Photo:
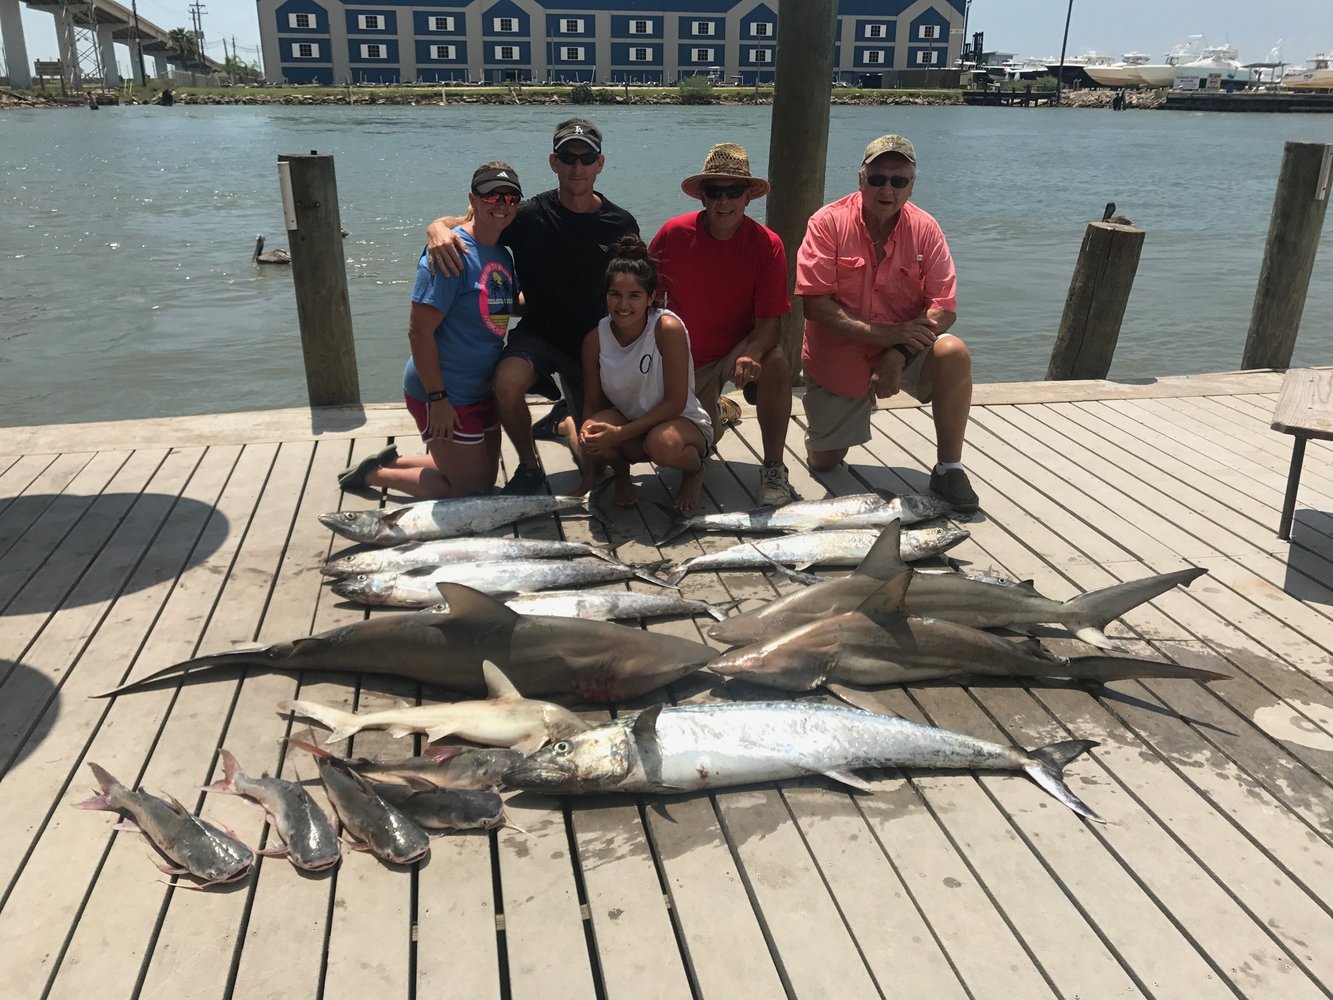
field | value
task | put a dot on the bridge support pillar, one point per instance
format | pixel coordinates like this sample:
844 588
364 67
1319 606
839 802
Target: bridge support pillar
106 46
160 67
69 53
16 49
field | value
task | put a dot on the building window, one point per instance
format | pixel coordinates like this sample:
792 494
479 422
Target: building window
300 21
703 55
927 58
761 55
372 52
876 31
640 27
443 52
507 52
929 31
572 53
761 29
441 24
875 57
305 50
640 55
571 26
369 22
506 24
703 29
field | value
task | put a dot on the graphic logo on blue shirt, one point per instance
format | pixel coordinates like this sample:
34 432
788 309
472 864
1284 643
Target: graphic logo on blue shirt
497 297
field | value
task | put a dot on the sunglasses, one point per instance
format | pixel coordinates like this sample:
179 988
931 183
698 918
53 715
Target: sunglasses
733 191
569 159
896 180
500 198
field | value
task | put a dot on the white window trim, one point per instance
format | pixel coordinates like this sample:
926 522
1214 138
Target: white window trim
439 22
506 53
294 21
640 54
877 31
703 55
875 57
381 53
703 29
500 22
443 52
929 32
761 29
364 22
761 56
298 46
571 53
928 58
638 22
571 25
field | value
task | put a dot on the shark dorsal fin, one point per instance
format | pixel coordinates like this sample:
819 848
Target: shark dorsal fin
644 729
497 684
464 602
888 598
884 561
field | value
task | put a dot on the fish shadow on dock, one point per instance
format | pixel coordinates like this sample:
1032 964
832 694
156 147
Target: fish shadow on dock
150 533
30 703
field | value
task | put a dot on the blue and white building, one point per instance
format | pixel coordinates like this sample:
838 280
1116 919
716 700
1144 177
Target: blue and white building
621 41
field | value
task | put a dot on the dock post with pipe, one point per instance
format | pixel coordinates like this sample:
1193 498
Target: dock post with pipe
798 144
319 275
1095 306
1299 207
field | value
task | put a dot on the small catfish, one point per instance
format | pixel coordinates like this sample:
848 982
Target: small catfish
446 767
198 847
434 808
309 840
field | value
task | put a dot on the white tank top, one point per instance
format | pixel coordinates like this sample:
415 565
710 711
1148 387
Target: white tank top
632 376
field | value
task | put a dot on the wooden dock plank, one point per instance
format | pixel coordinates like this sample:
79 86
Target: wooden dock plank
17 473
30 489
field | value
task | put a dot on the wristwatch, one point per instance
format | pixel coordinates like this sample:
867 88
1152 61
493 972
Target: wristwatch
905 351
436 397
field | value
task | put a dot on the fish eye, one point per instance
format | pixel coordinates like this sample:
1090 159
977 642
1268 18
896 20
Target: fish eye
349 515
562 748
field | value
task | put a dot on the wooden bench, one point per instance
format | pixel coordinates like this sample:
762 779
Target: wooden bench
1304 409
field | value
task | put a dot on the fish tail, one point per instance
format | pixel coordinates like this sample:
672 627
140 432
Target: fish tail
675 572
1046 767
679 523
1101 607
230 770
720 611
230 658
105 782
653 578
343 724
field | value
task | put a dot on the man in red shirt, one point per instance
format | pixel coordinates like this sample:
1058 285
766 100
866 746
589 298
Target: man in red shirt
725 275
878 286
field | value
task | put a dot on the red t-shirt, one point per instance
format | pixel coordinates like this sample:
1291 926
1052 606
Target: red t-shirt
719 288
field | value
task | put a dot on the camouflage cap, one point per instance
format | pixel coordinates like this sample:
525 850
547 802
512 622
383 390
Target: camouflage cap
889 144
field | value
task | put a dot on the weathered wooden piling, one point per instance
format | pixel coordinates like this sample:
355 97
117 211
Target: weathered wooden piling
1299 207
798 144
319 274
1095 307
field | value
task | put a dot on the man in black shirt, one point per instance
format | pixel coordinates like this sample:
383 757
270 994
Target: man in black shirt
561 241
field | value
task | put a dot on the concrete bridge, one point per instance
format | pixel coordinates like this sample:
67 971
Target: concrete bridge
104 23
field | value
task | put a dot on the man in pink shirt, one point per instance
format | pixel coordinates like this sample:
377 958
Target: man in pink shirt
878 286
725 276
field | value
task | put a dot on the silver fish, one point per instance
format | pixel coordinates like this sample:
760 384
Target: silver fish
857 510
419 588
879 643
603 605
504 719
447 767
308 838
430 519
820 548
442 551
982 602
198 847
716 745
372 823
446 808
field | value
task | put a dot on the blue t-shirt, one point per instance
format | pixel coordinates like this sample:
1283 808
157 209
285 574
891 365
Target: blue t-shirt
476 305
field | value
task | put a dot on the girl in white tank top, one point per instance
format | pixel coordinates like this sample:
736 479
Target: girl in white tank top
639 385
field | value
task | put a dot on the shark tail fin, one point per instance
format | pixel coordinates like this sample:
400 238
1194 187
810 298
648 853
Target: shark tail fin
343 724
1101 607
1046 767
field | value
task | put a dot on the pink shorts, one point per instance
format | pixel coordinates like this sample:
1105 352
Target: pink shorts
475 420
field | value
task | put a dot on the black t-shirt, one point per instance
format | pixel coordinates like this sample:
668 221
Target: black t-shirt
561 258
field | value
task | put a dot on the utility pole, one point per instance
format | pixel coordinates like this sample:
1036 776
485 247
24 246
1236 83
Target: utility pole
138 42
1064 45
197 11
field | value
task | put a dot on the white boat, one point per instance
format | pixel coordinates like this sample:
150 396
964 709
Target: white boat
1119 74
1317 75
1163 74
1218 63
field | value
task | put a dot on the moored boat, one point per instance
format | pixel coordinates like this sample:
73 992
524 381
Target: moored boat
1119 74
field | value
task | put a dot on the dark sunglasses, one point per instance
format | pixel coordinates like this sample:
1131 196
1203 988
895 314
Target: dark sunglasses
569 159
879 180
733 191
500 198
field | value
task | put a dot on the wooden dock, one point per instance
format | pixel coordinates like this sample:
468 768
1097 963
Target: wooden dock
130 546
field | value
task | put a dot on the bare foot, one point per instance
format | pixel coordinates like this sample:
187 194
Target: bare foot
586 482
624 490
691 489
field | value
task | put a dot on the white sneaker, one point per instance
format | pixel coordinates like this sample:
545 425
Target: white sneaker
774 490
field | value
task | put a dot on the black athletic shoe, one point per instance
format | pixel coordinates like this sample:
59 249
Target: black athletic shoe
548 427
354 476
525 481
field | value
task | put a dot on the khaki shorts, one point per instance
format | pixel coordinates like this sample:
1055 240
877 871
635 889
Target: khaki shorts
709 381
839 422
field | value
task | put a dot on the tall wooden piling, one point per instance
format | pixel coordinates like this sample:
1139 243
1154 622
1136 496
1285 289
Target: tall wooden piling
798 143
1095 307
1299 208
319 274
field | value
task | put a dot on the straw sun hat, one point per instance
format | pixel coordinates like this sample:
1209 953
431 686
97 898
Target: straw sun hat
725 162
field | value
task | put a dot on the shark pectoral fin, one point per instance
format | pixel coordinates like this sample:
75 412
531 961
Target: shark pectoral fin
497 684
399 731
127 826
890 597
413 781
849 779
884 561
530 744
1096 637
858 699
482 609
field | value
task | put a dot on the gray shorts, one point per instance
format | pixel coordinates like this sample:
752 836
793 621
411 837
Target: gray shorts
836 423
710 380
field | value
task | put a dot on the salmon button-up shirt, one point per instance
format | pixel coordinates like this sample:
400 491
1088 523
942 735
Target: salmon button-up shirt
837 257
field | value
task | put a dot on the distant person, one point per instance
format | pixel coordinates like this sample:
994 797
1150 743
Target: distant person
725 275
878 284
1118 102
561 241
457 332
639 384
1027 94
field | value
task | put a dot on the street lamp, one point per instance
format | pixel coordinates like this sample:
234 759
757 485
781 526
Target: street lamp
1060 77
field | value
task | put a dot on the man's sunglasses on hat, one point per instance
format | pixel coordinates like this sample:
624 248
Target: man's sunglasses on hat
733 191
500 198
569 158
896 180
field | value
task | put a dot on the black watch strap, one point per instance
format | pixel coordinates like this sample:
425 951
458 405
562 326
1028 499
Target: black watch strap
905 351
436 397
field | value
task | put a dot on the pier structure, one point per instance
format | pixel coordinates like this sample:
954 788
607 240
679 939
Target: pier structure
129 546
